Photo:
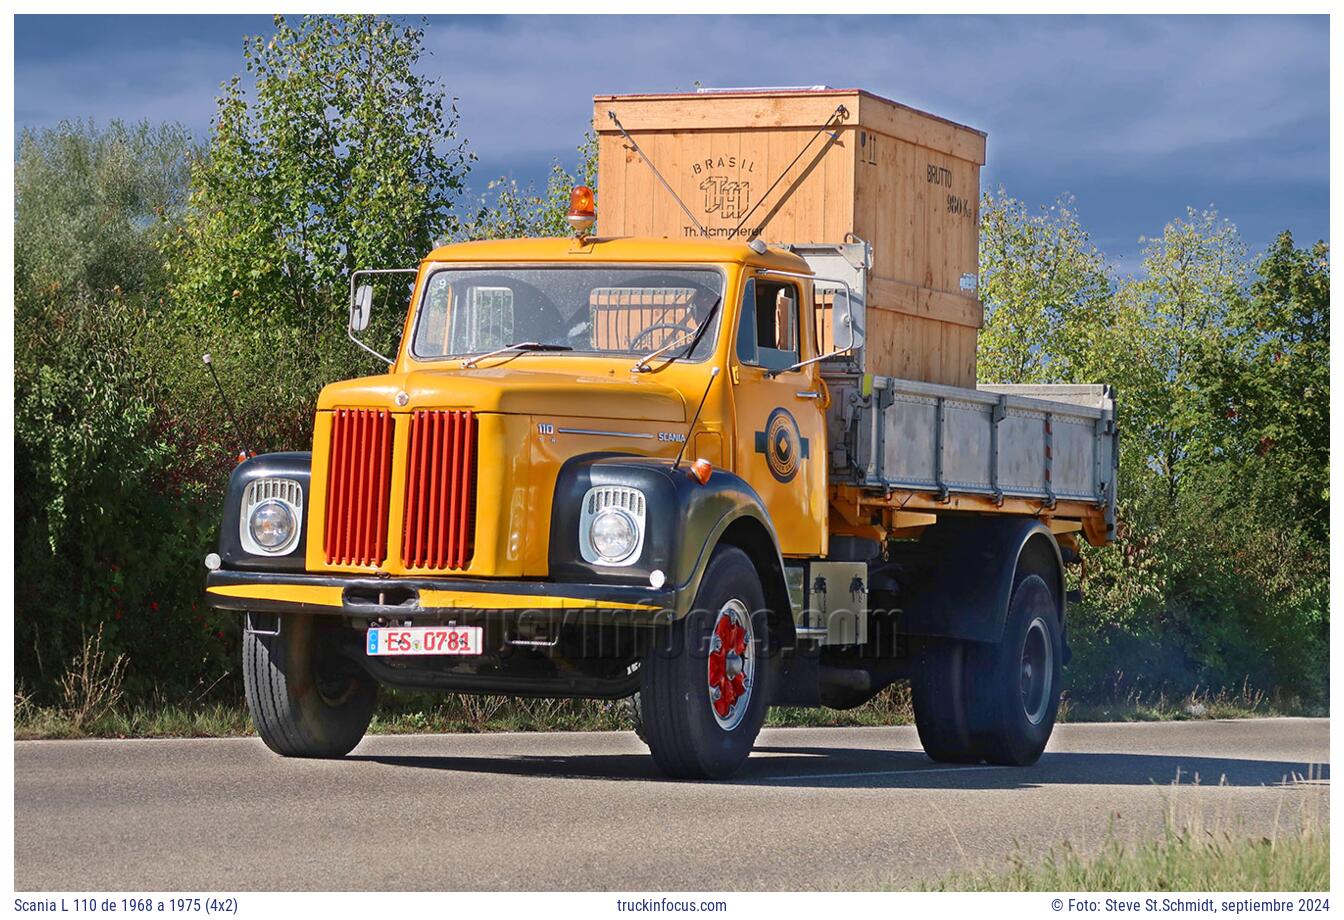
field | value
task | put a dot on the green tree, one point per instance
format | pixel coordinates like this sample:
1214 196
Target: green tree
1221 571
336 155
1267 386
510 211
340 155
92 205
1169 315
1046 291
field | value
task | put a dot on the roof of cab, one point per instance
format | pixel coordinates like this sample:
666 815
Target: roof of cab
619 249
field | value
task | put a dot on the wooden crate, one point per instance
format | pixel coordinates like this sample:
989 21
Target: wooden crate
752 163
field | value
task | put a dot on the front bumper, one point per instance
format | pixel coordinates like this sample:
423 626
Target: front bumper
435 599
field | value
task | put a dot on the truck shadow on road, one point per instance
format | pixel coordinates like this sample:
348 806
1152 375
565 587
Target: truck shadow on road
838 767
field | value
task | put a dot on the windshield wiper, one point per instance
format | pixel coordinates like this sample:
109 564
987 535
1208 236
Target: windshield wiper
517 346
642 365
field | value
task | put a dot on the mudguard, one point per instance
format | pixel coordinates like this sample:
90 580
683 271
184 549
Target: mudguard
956 582
294 465
685 520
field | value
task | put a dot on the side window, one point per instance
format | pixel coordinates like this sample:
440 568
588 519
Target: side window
767 334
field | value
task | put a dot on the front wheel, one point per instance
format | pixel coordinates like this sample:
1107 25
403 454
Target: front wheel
705 686
636 711
305 699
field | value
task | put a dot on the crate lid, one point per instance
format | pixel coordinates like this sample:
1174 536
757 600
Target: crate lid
757 107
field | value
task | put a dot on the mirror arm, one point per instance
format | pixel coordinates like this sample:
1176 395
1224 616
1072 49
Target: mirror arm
350 333
810 361
354 277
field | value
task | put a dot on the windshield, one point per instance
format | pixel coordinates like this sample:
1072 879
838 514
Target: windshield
591 309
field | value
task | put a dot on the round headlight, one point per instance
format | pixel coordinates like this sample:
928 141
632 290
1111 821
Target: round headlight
614 534
272 524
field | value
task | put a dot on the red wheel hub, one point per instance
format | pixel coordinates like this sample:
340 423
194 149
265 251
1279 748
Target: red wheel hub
727 659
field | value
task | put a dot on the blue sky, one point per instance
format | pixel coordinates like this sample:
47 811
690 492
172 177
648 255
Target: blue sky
1137 117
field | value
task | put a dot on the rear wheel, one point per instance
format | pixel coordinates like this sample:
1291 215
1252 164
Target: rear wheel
703 695
306 700
940 693
1016 681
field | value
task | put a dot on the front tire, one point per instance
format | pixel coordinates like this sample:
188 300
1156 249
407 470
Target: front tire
636 710
706 683
304 698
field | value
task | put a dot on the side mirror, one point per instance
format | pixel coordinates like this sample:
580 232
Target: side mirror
846 324
846 334
361 306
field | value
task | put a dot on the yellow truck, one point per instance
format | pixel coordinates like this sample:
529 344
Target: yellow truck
663 469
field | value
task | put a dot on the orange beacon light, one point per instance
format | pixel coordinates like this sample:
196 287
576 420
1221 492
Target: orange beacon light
582 210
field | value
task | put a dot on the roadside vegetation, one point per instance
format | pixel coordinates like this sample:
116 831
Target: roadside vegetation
411 713
138 248
1194 854
1177 862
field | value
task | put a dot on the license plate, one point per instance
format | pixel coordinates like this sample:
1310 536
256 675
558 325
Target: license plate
424 640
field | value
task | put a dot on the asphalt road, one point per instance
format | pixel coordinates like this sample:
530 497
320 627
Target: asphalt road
815 808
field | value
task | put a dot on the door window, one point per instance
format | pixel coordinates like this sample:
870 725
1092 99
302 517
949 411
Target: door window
767 333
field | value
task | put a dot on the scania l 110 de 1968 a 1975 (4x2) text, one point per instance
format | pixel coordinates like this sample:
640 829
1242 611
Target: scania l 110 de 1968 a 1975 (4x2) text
678 464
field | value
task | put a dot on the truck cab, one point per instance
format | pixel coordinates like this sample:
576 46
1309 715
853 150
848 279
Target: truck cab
533 492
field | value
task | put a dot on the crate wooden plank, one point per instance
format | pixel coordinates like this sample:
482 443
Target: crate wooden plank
921 128
720 111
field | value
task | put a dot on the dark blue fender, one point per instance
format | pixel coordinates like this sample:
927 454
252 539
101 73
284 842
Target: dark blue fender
685 522
294 465
957 580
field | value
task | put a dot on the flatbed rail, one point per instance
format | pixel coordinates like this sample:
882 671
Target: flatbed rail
1045 450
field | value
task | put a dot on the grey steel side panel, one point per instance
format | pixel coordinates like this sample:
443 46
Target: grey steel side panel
1039 442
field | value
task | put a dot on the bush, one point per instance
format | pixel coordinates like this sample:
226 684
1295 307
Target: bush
92 685
108 537
1204 596
110 528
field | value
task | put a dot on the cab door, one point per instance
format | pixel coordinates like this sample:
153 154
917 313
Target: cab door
781 432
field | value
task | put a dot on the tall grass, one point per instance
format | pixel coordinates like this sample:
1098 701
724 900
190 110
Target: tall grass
1201 703
203 714
91 686
1195 853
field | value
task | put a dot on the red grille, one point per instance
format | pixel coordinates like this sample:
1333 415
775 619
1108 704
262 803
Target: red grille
440 491
359 476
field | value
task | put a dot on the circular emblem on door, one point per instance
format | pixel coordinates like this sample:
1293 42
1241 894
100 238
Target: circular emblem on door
783 446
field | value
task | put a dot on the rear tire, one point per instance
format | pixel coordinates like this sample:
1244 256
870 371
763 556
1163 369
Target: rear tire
691 732
1016 681
305 699
940 693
